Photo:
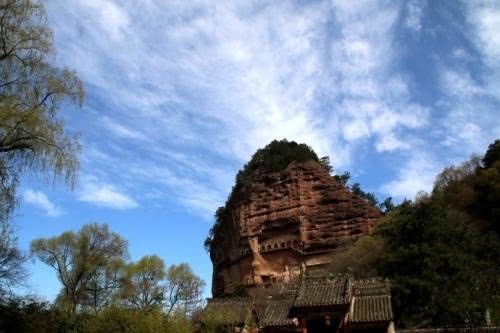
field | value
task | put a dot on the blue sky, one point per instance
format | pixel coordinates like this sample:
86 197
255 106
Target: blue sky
179 94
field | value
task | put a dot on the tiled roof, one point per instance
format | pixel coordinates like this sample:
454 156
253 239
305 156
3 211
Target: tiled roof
372 309
371 301
371 287
228 311
278 291
322 292
276 305
276 313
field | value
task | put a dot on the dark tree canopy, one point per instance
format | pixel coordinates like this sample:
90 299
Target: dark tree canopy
492 154
12 259
441 251
368 196
435 265
276 156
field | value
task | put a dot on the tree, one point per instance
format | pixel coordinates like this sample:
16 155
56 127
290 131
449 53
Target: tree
32 137
368 196
183 290
433 259
31 93
443 250
11 259
103 284
360 258
274 157
343 178
487 189
387 205
77 257
492 154
325 163
142 288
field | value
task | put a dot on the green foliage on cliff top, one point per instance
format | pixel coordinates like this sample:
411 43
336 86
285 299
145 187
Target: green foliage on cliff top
274 157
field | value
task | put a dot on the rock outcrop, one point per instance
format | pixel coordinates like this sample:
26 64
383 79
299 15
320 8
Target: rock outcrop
283 222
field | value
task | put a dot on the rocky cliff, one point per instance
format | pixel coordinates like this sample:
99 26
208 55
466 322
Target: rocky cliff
282 222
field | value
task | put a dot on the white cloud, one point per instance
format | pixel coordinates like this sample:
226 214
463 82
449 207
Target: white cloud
416 174
105 195
459 83
112 19
415 10
122 131
220 81
470 85
484 17
40 200
390 143
375 101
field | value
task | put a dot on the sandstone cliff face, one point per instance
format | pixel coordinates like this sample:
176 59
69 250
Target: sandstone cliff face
284 221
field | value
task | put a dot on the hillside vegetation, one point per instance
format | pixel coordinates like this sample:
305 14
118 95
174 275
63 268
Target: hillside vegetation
441 251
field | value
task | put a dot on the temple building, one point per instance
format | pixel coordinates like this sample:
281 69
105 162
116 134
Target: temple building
312 305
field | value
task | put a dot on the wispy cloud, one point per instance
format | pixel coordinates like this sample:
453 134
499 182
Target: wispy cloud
122 131
414 13
415 175
105 195
40 200
374 99
485 17
470 85
460 84
181 93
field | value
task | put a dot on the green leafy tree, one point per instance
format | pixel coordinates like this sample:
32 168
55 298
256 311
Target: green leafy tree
214 320
387 205
492 155
276 156
12 271
31 94
368 196
142 288
432 258
217 228
78 257
360 259
325 163
443 250
32 90
343 178
103 284
487 189
183 290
